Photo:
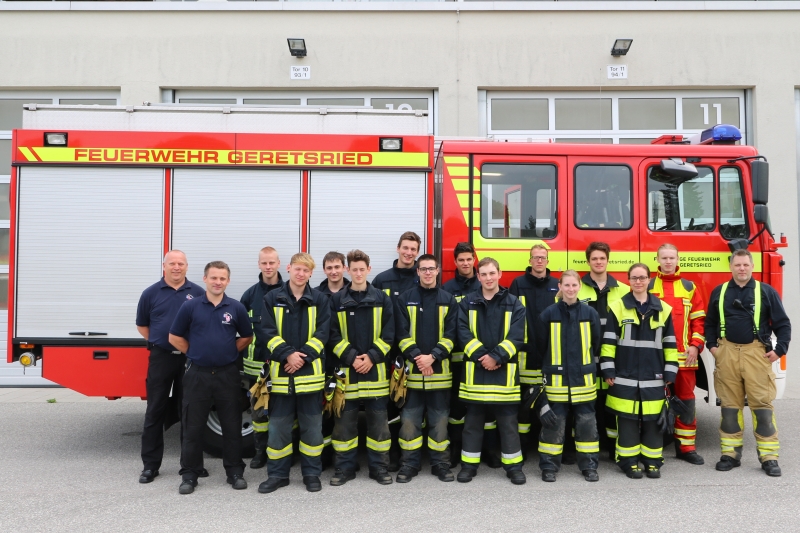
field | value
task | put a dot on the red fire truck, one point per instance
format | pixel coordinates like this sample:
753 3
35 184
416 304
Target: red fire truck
99 194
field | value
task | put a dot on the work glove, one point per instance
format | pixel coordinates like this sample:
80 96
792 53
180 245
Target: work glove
398 384
328 394
336 405
264 372
666 420
259 398
530 394
676 405
547 417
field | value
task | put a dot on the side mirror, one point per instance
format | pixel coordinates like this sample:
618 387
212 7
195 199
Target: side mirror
759 171
677 168
761 214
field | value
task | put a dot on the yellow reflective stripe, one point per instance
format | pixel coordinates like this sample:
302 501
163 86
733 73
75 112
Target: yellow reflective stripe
509 347
473 322
586 343
388 292
279 454
377 326
697 314
438 446
309 450
380 445
608 350
511 458
340 347
414 444
344 343
648 407
652 453
404 344
555 343
260 427
344 446
550 449
587 447
472 346
631 451
525 335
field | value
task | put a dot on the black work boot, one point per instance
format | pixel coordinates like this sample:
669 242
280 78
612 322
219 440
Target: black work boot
771 468
726 463
259 460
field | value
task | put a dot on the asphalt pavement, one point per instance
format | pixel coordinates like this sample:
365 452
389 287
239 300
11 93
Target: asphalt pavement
73 465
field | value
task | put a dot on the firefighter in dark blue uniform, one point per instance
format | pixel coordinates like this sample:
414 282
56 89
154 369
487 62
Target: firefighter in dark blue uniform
158 306
205 328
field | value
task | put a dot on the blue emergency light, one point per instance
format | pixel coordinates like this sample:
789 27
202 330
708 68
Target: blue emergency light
721 132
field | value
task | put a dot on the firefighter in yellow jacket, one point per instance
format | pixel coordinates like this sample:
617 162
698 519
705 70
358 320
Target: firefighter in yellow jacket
491 328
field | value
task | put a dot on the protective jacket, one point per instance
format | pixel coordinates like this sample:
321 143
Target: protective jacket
536 295
573 344
600 299
495 327
253 300
460 286
290 326
427 323
639 352
364 324
688 311
396 281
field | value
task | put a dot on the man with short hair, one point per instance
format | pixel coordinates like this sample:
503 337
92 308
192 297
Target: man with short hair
269 279
157 308
491 328
742 316
395 281
599 289
296 322
362 334
427 326
688 315
536 290
205 329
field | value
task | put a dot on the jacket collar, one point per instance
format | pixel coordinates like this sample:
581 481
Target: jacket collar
266 287
535 279
404 272
671 277
630 302
285 294
348 300
610 281
501 294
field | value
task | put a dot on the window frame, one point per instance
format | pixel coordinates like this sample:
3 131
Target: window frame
715 194
743 197
575 195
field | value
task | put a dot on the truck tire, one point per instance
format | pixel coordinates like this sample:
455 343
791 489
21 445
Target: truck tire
212 436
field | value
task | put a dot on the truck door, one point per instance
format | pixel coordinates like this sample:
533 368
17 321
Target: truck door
601 208
515 203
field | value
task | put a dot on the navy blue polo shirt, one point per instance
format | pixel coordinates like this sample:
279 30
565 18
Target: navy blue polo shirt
211 331
158 306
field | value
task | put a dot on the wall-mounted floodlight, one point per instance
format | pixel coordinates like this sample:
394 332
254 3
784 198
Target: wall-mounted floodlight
297 47
621 47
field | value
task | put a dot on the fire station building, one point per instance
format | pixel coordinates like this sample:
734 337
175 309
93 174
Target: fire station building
609 72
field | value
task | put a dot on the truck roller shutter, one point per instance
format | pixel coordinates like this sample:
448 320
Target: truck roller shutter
90 241
229 215
364 210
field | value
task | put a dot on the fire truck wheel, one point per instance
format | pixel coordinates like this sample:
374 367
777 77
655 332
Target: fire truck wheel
212 438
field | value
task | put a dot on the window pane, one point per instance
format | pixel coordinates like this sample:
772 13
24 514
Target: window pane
518 201
583 113
3 291
87 101
5 210
4 232
732 223
11 112
634 141
680 206
520 114
399 103
647 113
208 101
603 197
272 101
585 141
702 113
336 101
5 157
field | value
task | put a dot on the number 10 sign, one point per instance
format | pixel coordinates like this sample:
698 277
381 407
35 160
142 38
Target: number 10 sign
300 73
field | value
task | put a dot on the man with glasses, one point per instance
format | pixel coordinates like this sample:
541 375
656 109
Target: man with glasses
536 290
427 327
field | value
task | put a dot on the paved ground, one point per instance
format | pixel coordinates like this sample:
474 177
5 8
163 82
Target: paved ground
73 465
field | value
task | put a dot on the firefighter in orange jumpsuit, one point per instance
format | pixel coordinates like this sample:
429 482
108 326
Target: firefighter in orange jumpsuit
688 316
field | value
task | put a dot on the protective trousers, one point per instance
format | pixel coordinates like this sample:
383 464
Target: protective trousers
506 416
202 388
743 371
455 421
639 440
164 375
587 445
686 424
345 435
606 424
284 410
434 407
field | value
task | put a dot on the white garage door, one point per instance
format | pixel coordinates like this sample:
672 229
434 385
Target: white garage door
364 210
229 215
90 240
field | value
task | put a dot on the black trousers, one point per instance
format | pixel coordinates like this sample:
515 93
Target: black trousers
202 388
164 374
474 423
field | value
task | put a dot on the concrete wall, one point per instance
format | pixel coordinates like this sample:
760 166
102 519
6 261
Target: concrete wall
455 48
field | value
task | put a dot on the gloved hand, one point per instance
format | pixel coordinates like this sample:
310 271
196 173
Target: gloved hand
666 420
675 404
546 415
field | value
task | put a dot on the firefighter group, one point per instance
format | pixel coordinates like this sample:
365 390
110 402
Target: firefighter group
471 370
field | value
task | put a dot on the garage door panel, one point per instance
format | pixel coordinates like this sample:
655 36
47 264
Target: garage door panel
364 210
229 215
89 242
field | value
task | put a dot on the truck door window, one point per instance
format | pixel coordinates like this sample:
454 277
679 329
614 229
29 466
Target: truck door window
518 201
603 197
675 205
732 222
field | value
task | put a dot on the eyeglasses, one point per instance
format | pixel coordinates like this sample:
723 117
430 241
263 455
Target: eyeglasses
428 270
639 279
538 258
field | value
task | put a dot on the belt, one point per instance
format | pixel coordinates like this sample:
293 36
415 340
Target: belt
151 346
211 369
